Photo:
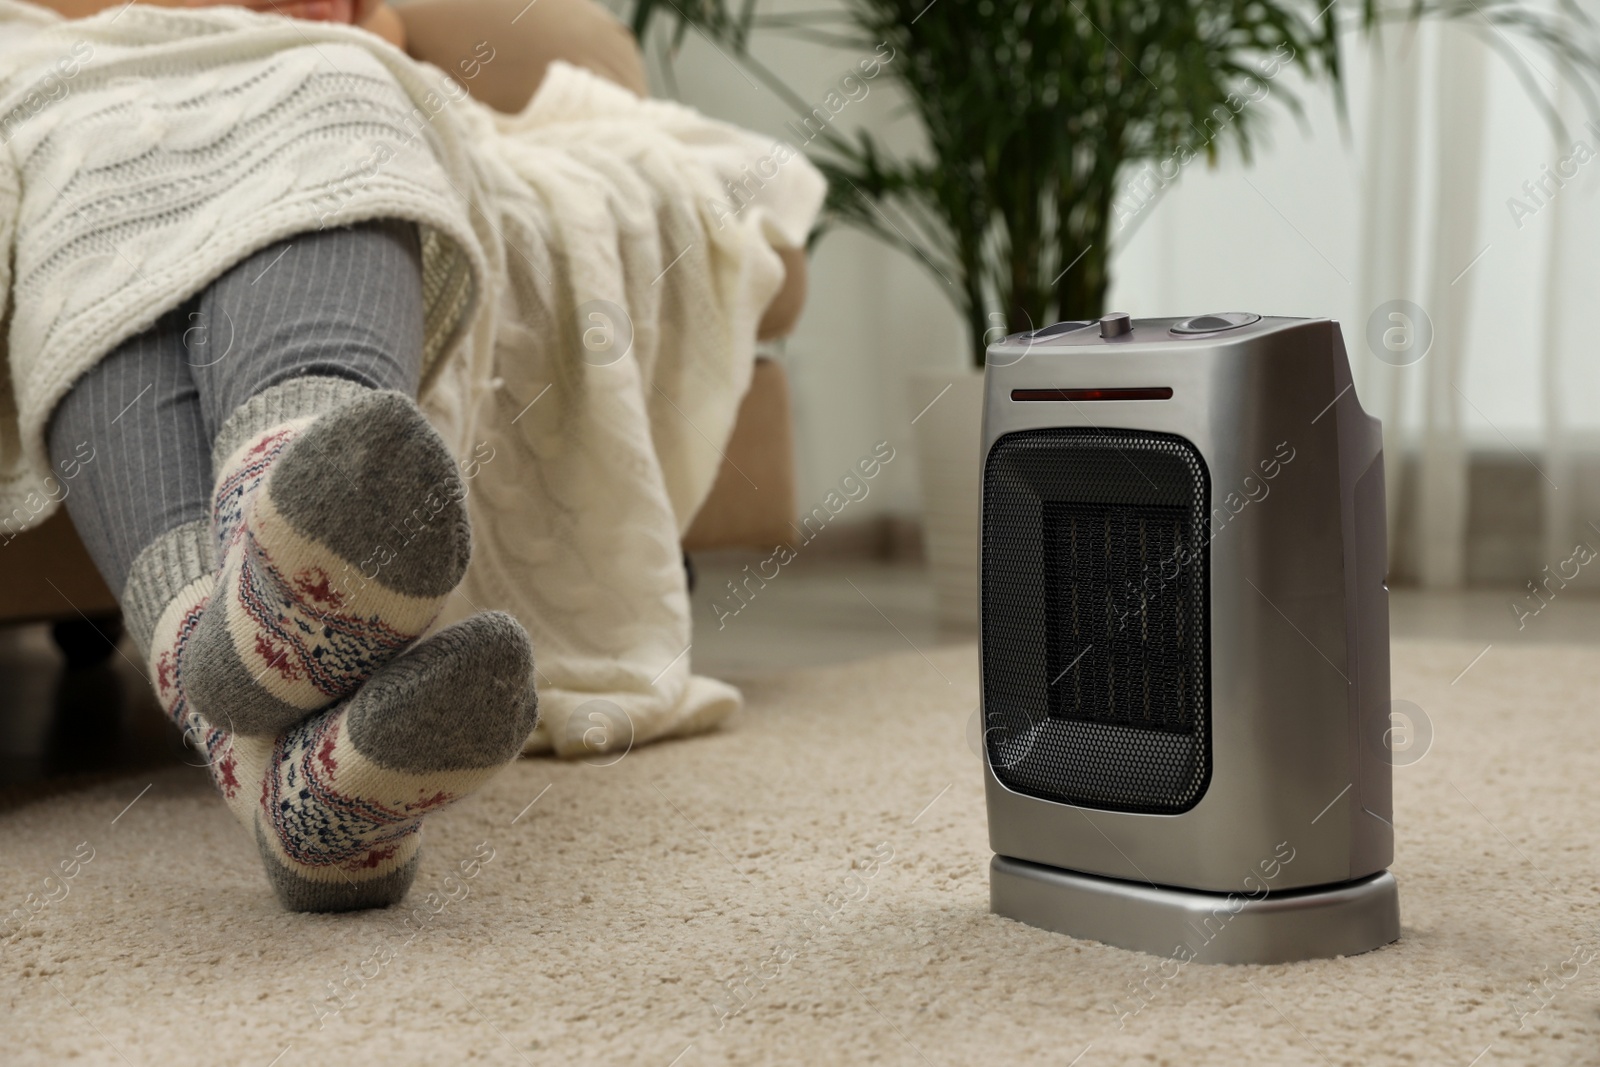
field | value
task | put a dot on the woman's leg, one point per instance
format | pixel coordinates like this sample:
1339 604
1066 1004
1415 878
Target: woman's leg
284 315
335 801
138 414
345 554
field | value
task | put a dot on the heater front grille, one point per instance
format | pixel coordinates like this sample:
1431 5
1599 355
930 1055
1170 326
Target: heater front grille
1096 616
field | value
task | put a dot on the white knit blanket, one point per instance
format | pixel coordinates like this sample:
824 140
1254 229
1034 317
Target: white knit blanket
592 296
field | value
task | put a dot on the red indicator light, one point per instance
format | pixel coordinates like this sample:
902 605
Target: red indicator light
1160 392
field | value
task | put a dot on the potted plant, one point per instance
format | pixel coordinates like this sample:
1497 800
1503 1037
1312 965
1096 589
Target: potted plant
1048 125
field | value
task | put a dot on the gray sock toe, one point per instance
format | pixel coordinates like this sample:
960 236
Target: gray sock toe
299 893
373 481
462 699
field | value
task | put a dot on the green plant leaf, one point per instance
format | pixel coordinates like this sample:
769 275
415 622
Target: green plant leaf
1049 124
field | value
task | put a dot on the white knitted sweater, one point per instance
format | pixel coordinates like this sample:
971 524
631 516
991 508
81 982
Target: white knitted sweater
591 301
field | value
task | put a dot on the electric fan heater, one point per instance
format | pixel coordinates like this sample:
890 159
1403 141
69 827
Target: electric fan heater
1185 639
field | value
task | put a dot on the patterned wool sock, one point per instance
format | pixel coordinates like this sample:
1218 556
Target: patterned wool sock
341 525
336 803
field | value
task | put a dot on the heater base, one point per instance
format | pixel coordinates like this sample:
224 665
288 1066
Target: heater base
1186 924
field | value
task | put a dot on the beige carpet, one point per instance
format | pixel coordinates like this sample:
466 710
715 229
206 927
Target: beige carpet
616 906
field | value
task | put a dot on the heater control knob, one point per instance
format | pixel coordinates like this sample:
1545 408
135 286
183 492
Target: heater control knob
1116 324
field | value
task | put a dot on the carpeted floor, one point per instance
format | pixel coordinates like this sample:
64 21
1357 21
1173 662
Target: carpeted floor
619 901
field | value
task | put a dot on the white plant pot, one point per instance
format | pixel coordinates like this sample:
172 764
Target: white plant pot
948 436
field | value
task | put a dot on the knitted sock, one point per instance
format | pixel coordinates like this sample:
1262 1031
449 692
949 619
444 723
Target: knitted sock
341 526
336 803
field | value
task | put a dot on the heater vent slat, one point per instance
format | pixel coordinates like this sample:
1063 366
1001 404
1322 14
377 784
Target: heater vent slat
1138 631
1096 618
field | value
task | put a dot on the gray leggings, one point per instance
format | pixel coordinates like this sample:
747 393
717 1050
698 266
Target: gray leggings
343 303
